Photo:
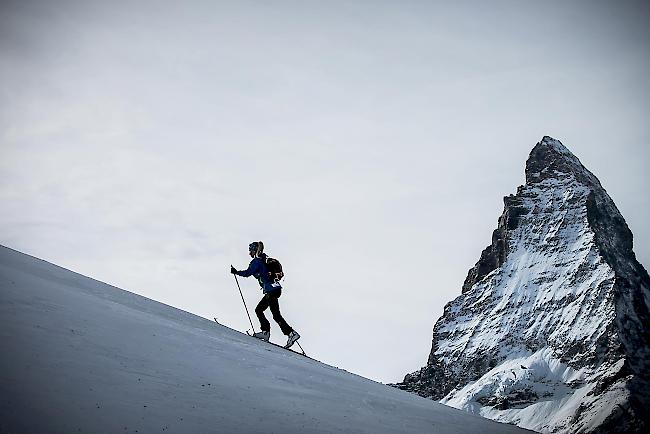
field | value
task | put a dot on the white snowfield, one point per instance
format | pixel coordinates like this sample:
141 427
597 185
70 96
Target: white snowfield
82 356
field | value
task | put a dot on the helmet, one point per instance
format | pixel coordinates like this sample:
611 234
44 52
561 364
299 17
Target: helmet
256 248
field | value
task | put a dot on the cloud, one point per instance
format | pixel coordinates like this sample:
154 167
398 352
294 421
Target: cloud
148 144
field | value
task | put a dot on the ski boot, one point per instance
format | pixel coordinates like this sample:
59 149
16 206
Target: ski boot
293 337
262 335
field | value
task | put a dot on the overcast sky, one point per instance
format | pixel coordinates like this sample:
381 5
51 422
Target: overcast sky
368 144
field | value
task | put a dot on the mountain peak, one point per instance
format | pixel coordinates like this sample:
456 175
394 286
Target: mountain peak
550 330
551 159
550 141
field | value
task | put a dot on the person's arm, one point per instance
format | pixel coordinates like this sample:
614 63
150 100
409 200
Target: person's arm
253 268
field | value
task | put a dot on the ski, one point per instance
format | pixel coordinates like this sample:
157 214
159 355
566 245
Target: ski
280 346
269 342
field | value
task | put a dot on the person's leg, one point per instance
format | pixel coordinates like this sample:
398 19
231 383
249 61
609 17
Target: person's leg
259 311
275 310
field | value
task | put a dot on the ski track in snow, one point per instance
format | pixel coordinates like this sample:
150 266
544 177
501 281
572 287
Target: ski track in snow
83 356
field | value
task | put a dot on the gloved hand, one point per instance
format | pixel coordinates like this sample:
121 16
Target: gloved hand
233 270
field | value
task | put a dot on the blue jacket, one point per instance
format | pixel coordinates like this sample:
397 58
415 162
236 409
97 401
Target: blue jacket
257 268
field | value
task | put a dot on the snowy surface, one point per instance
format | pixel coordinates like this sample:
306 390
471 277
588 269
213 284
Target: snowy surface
83 356
547 378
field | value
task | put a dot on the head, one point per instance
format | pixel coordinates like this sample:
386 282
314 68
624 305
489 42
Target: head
255 248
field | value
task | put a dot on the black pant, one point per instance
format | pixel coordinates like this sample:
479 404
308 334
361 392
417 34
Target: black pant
271 300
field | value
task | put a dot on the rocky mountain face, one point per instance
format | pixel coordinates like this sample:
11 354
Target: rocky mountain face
552 329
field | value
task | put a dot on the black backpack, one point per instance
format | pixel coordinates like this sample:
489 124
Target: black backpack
274 269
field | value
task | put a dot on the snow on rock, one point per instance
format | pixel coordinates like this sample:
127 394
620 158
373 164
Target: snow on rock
552 329
82 356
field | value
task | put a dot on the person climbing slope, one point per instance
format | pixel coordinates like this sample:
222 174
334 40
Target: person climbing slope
272 290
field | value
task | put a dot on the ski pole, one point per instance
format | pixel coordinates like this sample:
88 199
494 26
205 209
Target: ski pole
242 299
300 346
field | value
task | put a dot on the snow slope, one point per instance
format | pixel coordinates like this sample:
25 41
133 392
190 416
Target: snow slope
83 356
